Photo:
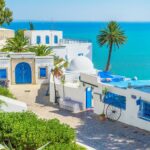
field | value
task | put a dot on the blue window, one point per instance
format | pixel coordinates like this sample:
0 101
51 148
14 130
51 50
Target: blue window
43 73
66 57
56 39
38 40
80 54
3 74
47 39
115 100
144 111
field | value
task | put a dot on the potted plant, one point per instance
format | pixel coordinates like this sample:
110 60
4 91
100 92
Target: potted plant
102 116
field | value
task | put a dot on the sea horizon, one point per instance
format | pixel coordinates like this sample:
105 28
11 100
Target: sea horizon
83 21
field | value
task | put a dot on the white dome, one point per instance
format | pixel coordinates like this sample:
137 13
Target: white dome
81 64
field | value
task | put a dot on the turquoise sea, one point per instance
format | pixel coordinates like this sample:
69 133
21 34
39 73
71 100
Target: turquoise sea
132 59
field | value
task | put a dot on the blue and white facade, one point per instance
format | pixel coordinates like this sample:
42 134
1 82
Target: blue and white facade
132 104
72 95
44 37
64 48
25 68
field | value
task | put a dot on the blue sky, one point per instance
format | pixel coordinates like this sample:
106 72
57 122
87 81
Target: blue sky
80 10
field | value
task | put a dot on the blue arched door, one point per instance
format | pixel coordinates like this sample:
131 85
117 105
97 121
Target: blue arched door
88 97
23 73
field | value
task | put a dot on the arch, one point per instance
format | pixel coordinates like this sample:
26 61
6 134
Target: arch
56 39
47 39
23 74
38 40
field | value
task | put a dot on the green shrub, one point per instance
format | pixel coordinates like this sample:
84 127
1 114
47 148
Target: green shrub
72 146
6 92
26 131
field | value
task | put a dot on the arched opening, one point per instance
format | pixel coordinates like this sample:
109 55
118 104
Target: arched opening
23 74
56 39
38 40
47 39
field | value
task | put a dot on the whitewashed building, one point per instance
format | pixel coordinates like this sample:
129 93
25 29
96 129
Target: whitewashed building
25 68
64 48
4 35
72 95
130 105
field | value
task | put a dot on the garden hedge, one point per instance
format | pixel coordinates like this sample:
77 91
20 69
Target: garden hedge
25 131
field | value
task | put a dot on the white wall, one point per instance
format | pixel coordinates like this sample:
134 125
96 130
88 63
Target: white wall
71 50
2 43
32 35
46 61
12 105
128 116
73 91
64 48
76 48
43 62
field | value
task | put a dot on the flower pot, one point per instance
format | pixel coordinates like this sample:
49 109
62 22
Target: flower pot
102 117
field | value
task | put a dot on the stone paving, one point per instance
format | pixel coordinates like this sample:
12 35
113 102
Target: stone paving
90 130
109 135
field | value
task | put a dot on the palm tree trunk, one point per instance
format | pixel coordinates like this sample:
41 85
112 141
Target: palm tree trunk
54 88
63 91
109 57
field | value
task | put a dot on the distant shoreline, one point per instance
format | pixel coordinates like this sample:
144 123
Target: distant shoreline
78 21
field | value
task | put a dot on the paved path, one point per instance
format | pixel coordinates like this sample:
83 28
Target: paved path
90 131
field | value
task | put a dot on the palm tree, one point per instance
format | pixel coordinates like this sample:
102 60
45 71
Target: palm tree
112 36
41 50
57 71
5 13
17 44
31 26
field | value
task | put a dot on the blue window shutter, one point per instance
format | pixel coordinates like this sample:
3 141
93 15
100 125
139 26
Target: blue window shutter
43 73
47 39
56 39
3 74
144 110
38 40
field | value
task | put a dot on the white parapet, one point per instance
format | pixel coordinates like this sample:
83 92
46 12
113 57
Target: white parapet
11 105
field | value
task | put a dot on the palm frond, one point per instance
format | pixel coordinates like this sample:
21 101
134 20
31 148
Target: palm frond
111 34
17 44
41 50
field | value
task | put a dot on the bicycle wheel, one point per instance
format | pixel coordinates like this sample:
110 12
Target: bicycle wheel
113 113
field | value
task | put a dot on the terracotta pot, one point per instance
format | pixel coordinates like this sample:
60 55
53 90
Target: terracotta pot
102 117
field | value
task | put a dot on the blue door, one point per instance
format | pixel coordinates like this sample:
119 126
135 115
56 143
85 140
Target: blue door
23 73
88 98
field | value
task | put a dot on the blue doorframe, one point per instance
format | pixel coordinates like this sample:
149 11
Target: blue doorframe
88 97
23 74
